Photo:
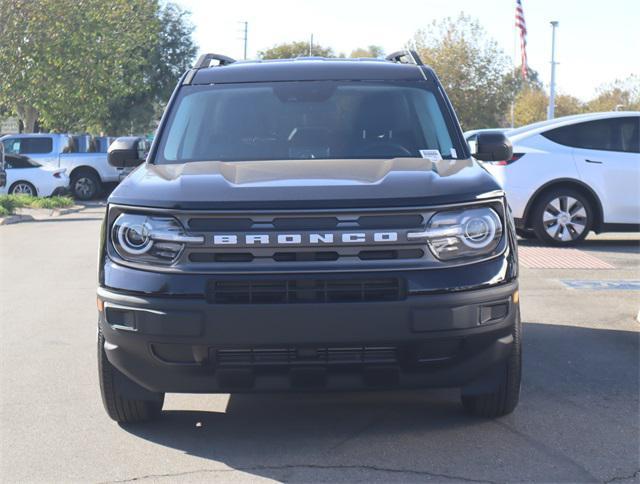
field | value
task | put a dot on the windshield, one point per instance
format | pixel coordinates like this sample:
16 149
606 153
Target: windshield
304 120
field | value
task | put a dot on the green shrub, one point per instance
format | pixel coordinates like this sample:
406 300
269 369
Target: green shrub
51 202
21 200
9 203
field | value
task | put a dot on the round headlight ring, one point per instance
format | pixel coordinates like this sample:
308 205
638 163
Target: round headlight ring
479 231
134 238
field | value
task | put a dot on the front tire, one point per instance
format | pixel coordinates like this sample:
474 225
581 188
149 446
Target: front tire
85 185
119 407
562 217
505 398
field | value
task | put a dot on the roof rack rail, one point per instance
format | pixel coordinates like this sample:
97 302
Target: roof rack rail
411 57
205 60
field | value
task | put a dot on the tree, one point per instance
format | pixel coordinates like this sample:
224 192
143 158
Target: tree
169 58
532 103
514 83
620 94
290 50
471 67
567 105
372 51
64 61
513 86
530 106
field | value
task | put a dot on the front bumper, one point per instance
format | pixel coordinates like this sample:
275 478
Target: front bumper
182 344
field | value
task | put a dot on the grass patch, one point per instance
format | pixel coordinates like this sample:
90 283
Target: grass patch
9 203
51 202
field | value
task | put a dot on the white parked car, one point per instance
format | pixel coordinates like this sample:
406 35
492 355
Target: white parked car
572 175
25 176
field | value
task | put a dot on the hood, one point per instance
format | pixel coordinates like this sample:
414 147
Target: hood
276 184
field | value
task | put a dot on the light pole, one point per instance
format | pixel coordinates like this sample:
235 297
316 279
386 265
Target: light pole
552 87
244 37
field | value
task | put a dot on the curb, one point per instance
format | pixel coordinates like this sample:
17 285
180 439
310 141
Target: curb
37 214
56 212
15 219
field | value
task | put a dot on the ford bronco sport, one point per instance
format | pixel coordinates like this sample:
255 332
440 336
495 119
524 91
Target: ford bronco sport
308 224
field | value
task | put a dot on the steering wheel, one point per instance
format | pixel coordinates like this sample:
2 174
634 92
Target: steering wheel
384 148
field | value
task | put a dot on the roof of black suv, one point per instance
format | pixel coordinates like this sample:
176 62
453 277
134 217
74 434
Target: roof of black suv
308 69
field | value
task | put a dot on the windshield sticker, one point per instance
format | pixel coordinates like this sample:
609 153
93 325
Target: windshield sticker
454 153
431 155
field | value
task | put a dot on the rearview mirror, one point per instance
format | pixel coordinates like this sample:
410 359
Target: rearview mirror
126 151
493 146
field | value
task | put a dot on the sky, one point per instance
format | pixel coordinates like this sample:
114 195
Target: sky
597 40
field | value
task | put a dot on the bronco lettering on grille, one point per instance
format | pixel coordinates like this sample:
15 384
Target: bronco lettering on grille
305 238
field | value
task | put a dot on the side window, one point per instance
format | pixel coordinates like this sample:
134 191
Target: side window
36 145
17 161
603 134
592 135
11 145
18 146
563 136
630 134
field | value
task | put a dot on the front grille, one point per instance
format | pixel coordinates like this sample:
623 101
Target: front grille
323 239
306 356
300 222
304 291
306 256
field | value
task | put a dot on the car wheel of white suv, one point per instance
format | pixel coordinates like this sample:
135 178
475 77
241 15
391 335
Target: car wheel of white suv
562 217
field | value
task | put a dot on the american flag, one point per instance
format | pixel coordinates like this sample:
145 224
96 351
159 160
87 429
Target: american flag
520 23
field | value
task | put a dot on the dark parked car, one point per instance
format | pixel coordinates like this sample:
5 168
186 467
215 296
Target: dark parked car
308 224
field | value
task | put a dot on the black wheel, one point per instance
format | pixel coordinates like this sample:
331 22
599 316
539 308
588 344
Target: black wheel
562 217
121 408
23 188
85 185
526 234
506 395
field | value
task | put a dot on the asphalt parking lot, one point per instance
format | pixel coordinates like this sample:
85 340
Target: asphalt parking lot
578 419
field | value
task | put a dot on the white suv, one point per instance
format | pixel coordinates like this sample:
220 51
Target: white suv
574 174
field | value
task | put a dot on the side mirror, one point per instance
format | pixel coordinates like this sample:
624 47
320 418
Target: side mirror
126 152
493 146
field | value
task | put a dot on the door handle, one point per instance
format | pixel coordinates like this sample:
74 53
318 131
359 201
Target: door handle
594 161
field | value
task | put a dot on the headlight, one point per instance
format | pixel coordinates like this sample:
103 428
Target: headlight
146 238
464 233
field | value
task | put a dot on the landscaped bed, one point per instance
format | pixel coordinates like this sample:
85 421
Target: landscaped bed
9 203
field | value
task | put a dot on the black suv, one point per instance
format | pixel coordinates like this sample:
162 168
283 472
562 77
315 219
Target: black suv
308 224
